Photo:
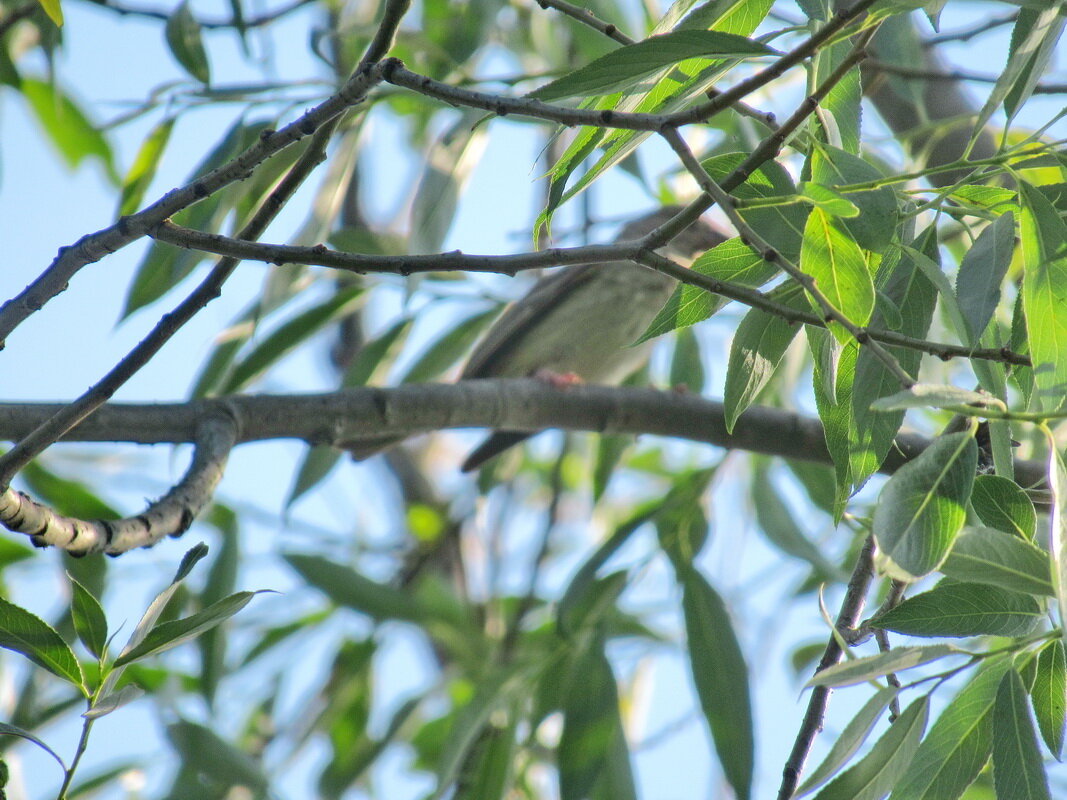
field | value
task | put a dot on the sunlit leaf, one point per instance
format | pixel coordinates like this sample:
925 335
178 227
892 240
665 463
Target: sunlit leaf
840 271
67 126
34 638
143 169
89 619
876 223
963 609
1002 504
861 670
985 555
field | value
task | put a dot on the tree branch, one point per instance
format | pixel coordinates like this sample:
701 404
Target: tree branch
337 418
171 515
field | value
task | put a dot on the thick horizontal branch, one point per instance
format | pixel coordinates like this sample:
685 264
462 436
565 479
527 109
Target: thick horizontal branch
341 417
456 260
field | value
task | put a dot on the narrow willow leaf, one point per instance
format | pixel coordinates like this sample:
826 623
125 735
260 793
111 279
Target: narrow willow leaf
1017 769
113 702
625 66
835 261
982 272
1002 504
931 395
922 507
66 125
1044 293
89 620
873 228
1033 43
348 588
833 379
850 741
687 365
1048 695
30 635
54 10
171 634
319 461
185 42
833 203
592 727
14 730
963 609
375 355
289 335
959 742
861 670
758 347
204 751
490 772
733 261
449 348
1057 478
875 774
681 522
143 169
721 679
985 555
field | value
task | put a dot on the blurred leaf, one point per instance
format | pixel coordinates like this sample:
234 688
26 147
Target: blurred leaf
1002 504
171 634
963 609
346 698
54 10
687 368
959 742
861 670
1044 293
319 461
221 581
449 348
589 600
721 678
851 739
289 335
184 39
30 635
346 587
1057 479
874 775
681 523
374 354
593 739
143 169
1049 695
985 555
89 619
67 126
68 497
1017 769
623 67
982 272
490 769
922 507
933 395
202 750
609 452
109 703
1033 43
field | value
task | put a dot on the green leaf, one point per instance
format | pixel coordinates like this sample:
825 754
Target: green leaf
982 272
30 635
171 634
184 39
1017 769
1044 292
109 703
346 587
861 670
681 522
1057 478
851 739
874 776
758 347
1002 504
1033 43
69 497
621 68
54 10
449 348
687 366
14 730
202 750
67 126
89 620
959 742
490 772
835 261
922 507
874 227
289 335
143 169
319 461
733 261
933 395
1048 695
833 203
985 555
375 353
721 679
963 609
592 739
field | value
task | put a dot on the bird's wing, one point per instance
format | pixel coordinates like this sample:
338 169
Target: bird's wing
509 331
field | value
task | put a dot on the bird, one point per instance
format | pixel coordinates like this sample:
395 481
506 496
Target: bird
581 322
577 324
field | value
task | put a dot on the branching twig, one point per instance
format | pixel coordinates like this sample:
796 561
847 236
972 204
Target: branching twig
587 18
967 34
905 71
169 516
639 251
851 608
257 21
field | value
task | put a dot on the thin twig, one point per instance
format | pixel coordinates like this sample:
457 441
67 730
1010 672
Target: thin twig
956 75
257 21
587 18
967 34
848 616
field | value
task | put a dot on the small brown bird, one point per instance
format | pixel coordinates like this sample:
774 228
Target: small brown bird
581 321
579 324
